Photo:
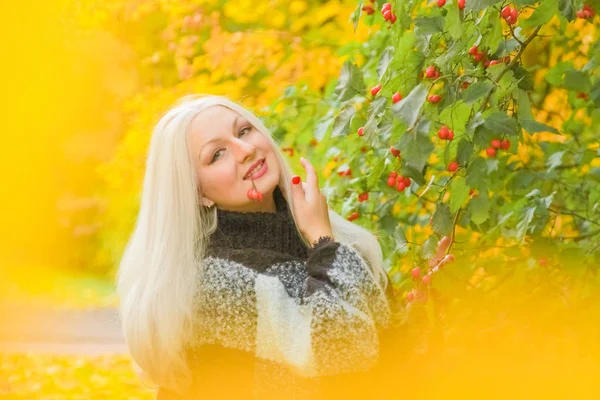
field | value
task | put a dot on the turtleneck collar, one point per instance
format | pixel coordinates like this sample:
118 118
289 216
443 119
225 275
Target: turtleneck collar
260 230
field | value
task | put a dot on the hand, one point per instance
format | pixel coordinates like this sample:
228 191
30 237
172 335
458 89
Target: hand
420 294
310 205
440 258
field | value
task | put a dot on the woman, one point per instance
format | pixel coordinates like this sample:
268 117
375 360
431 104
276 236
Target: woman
238 280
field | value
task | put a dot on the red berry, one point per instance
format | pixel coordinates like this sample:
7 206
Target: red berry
363 197
505 13
368 9
393 19
376 89
410 296
465 84
434 98
387 15
494 62
395 152
450 135
396 97
393 174
453 166
430 72
426 279
496 143
391 182
353 216
289 150
461 4
505 144
443 132
479 56
296 180
259 196
506 59
416 272
406 181
490 151
361 131
514 14
486 63
441 3
386 6
473 50
400 186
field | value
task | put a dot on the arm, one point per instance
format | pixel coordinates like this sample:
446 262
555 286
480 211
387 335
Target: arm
329 328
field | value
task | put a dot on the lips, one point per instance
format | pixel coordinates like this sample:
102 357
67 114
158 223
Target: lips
259 162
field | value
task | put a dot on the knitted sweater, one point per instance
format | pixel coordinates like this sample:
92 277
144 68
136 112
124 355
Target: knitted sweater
278 316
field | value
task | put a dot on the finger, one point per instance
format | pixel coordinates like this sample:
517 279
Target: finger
298 191
443 245
312 180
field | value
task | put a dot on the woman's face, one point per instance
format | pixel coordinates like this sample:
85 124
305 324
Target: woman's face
225 145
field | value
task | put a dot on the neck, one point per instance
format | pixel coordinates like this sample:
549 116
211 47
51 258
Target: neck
270 230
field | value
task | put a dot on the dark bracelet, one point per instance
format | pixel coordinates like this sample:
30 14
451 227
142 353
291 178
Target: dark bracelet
321 241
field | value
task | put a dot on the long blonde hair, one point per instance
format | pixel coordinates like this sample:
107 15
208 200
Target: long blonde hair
156 277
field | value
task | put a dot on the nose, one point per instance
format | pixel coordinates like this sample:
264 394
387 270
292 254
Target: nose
243 150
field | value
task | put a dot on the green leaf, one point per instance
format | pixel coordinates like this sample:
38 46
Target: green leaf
464 151
479 207
407 109
523 104
555 75
341 124
416 146
375 175
459 192
477 5
533 126
350 83
442 220
499 122
555 160
477 173
577 80
524 222
384 61
476 91
542 15
428 25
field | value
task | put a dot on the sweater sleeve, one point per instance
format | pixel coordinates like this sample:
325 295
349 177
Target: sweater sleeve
327 326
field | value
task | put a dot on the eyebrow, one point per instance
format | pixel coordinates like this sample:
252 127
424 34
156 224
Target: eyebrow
218 138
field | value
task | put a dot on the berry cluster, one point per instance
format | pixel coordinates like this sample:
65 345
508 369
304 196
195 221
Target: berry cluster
497 144
510 14
398 181
432 73
254 194
353 216
587 12
434 98
445 134
387 13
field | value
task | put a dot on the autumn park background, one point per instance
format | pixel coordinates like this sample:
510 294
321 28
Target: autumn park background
477 119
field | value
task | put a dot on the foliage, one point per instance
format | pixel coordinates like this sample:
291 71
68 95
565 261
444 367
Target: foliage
536 84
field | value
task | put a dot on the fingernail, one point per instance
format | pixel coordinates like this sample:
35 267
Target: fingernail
295 179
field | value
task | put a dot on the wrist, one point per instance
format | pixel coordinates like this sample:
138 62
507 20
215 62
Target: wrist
313 239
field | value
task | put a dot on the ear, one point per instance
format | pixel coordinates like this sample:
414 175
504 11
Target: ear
207 202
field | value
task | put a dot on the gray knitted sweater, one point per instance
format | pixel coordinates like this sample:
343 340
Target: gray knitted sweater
279 316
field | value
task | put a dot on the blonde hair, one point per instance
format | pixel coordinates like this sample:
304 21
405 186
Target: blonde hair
156 277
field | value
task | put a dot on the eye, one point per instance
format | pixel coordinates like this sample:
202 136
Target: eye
239 135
